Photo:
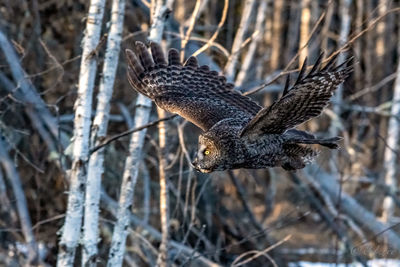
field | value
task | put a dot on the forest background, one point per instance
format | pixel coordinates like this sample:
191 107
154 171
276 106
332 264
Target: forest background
93 174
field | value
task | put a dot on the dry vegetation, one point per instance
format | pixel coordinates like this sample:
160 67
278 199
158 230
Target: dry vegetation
343 208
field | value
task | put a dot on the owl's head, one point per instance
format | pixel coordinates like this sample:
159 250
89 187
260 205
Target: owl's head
209 155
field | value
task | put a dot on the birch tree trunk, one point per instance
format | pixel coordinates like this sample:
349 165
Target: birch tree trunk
143 107
358 74
380 30
392 147
293 30
162 259
98 134
326 26
368 53
187 252
379 66
230 66
83 108
276 33
304 30
343 37
262 9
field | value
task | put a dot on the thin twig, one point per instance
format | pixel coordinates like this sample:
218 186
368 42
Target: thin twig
285 70
358 35
128 132
22 207
193 19
214 36
257 253
344 47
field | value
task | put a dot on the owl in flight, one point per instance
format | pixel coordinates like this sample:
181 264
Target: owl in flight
237 132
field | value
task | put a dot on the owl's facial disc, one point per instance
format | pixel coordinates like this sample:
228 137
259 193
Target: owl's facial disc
206 159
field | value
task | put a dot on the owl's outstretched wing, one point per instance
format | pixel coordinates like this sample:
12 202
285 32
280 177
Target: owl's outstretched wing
195 93
305 100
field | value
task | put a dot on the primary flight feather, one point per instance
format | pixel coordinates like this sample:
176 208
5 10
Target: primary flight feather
237 132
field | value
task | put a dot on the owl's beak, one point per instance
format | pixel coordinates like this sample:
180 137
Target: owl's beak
196 166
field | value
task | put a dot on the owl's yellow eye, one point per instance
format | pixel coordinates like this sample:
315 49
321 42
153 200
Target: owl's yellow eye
206 152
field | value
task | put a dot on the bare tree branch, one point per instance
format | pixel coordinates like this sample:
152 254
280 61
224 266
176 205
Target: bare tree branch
214 36
130 131
27 93
22 208
353 209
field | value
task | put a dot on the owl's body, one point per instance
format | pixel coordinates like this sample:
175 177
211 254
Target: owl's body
238 133
239 152
287 150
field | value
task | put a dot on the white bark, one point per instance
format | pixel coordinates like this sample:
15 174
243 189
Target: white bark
132 162
293 30
304 30
276 34
392 148
146 193
230 66
83 108
343 38
187 252
128 185
98 134
383 6
326 26
162 259
262 10
358 21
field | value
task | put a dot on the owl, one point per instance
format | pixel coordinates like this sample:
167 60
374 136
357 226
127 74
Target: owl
237 132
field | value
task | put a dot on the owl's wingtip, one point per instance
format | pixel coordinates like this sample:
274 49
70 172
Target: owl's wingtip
139 44
128 52
153 44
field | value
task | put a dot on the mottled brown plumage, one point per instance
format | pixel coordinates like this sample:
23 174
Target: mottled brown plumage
238 133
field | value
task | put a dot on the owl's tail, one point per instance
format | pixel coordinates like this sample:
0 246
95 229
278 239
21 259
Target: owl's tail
301 137
331 143
297 156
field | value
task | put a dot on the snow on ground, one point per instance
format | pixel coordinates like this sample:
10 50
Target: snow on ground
371 263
